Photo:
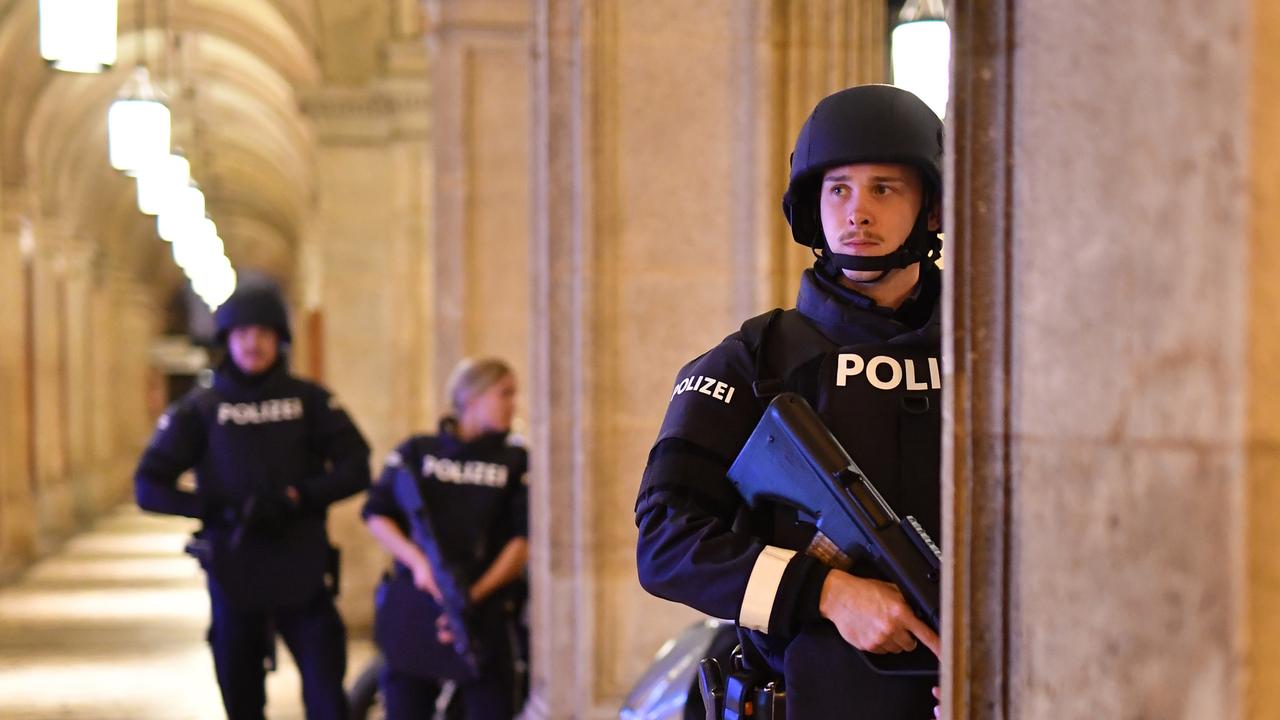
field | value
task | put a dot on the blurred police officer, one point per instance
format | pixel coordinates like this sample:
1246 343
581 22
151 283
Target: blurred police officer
271 452
472 478
862 346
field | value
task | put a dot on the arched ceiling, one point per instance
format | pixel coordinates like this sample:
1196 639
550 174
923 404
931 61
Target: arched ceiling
234 70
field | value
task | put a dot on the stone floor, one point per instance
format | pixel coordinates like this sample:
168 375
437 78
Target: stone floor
112 628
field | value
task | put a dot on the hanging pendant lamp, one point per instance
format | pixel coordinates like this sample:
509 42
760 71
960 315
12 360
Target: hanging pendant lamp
138 125
161 182
78 35
922 52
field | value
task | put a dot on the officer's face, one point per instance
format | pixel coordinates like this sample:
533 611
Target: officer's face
869 209
495 408
253 348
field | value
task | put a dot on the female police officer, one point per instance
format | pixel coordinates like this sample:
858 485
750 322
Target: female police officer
862 345
271 453
471 480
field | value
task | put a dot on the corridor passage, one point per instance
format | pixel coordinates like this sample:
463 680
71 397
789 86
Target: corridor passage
112 628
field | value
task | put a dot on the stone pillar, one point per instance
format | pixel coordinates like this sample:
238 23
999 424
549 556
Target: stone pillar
17 522
1111 436
819 47
1261 502
481 79
54 502
126 318
366 257
80 334
659 163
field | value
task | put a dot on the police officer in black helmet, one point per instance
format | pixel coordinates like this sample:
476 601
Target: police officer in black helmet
271 452
862 346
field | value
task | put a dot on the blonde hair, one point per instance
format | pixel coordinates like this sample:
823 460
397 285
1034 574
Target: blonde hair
471 378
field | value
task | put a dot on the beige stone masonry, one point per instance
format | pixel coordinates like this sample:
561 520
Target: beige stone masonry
363 269
1110 447
1262 419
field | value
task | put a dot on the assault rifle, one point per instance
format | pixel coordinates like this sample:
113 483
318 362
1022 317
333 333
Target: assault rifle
792 459
453 592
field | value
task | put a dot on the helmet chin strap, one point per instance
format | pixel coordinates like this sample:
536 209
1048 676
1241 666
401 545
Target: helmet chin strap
919 246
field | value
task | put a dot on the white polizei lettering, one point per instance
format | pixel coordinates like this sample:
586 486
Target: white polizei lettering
848 365
704 385
267 411
912 382
448 471
472 472
873 376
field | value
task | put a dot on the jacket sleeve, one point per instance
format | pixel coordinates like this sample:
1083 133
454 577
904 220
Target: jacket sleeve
518 499
381 498
175 447
346 454
689 549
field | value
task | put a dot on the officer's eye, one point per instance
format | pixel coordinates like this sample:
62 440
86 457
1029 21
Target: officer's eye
881 189
839 191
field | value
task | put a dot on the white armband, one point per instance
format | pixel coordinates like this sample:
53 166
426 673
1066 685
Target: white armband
762 587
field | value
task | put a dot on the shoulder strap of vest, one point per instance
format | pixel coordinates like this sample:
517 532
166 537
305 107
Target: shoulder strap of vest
774 360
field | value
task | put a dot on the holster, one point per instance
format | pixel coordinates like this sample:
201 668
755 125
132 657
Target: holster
740 694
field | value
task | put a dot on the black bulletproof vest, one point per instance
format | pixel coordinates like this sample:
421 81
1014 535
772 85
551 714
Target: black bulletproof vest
881 398
259 439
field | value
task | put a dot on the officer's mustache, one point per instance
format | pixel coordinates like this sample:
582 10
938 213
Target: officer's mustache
862 235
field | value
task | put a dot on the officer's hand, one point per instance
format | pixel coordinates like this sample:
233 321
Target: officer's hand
937 709
872 615
425 580
269 515
444 632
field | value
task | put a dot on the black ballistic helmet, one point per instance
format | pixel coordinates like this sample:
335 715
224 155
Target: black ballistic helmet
252 306
866 124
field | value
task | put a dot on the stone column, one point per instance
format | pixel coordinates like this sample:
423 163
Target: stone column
1112 432
366 255
819 47
54 503
481 79
17 521
80 335
659 161
1261 501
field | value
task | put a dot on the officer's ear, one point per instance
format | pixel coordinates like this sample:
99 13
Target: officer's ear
935 214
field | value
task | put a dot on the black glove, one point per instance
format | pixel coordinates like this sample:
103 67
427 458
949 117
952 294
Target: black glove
269 515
